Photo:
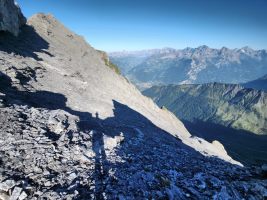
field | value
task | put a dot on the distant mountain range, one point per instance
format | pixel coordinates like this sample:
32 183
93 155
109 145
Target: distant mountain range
217 93
227 112
73 128
191 65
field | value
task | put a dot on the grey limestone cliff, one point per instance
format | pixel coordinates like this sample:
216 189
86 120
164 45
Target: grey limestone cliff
11 18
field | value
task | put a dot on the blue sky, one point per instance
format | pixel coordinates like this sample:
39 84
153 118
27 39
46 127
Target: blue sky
113 25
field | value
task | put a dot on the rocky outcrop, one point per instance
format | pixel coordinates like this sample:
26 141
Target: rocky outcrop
11 18
105 58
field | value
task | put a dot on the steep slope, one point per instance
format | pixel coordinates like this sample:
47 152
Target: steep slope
214 106
79 66
259 84
72 128
191 65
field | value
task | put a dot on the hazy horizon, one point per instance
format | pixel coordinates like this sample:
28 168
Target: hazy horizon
137 25
125 50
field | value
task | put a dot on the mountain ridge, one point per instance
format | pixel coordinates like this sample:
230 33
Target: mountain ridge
192 65
168 49
229 113
87 123
236 95
73 128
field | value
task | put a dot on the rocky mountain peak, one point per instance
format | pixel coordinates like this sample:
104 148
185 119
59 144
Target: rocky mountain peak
224 49
42 18
72 128
203 47
68 66
44 22
247 50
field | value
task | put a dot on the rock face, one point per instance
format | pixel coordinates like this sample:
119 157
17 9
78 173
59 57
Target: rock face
73 128
191 65
11 18
222 110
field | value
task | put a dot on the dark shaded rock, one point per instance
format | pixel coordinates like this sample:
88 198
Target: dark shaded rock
11 18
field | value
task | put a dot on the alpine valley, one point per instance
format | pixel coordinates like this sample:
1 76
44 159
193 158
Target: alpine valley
234 115
72 127
219 94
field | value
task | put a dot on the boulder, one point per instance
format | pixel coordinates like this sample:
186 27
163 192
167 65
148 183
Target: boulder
11 18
